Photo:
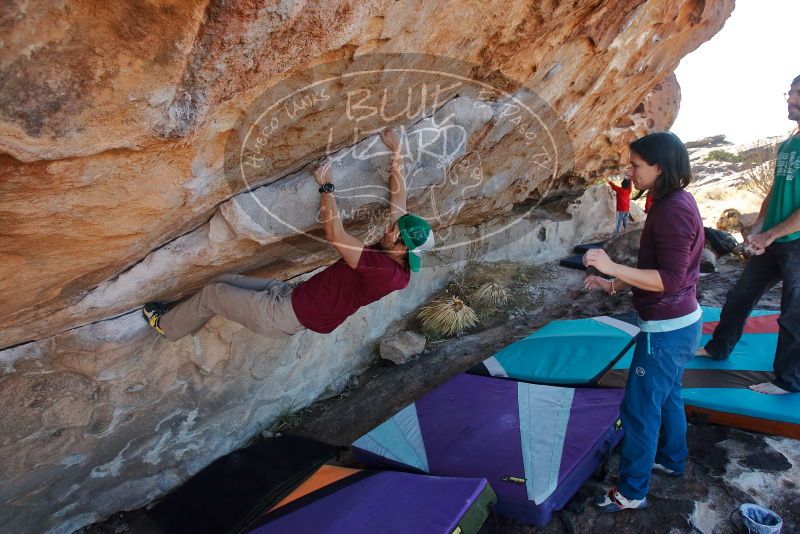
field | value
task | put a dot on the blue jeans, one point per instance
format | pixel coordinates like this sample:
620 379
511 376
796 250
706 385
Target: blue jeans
652 410
623 218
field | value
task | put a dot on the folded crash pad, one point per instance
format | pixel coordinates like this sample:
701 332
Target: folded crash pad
576 352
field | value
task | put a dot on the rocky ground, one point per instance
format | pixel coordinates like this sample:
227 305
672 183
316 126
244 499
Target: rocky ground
727 468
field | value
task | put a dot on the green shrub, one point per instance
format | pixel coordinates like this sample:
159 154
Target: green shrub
724 155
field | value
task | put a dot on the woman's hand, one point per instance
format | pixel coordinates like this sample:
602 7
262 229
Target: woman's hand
598 259
597 282
323 174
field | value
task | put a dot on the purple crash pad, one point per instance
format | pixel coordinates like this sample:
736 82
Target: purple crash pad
374 501
536 445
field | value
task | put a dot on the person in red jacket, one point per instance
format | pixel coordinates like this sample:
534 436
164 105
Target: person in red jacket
623 193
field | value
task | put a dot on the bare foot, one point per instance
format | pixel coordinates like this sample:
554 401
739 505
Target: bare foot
703 353
768 388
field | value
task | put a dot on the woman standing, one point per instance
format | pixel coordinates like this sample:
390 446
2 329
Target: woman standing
664 294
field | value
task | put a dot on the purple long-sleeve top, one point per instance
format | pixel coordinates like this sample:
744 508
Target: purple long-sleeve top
672 243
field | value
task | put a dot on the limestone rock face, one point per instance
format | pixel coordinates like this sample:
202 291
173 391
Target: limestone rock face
139 159
114 121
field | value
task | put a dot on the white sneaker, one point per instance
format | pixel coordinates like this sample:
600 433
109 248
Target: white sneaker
614 501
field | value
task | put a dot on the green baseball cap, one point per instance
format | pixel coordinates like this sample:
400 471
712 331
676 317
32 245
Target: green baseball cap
417 236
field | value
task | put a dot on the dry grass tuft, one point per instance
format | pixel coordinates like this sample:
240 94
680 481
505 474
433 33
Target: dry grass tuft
490 294
447 316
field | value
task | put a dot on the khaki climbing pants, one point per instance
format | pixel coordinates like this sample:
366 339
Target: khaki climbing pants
259 304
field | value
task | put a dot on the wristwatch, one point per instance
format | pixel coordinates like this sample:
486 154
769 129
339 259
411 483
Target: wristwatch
326 188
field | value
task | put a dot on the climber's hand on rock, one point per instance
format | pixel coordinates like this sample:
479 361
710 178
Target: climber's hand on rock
598 259
323 174
597 282
391 139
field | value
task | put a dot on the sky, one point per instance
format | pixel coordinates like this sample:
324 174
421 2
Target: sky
734 83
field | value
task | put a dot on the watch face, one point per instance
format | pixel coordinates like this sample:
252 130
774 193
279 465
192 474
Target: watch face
328 188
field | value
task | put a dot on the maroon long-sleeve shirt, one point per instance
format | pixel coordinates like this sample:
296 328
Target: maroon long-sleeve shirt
672 243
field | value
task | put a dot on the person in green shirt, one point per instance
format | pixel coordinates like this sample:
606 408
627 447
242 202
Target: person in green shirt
774 243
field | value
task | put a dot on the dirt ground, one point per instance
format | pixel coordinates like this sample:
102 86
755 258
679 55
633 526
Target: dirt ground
727 467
